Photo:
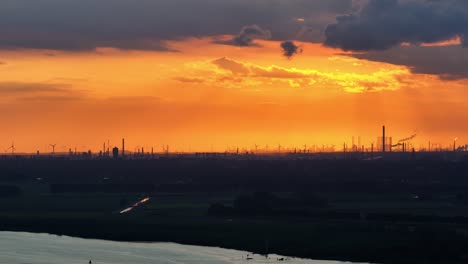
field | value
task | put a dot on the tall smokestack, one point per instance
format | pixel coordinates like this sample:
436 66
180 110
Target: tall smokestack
123 147
383 138
359 142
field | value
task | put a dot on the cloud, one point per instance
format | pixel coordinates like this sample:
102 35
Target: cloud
240 68
188 80
247 36
134 99
247 74
231 65
77 25
290 49
447 62
11 88
51 98
39 91
278 73
382 24
69 42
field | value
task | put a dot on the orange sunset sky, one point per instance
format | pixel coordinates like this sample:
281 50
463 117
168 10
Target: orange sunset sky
219 96
203 95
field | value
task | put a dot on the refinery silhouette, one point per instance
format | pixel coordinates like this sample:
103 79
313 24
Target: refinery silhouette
352 202
383 146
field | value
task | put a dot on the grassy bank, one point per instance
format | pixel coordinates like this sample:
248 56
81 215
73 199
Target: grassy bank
380 212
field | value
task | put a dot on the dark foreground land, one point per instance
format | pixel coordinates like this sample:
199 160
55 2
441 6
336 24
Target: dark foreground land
381 211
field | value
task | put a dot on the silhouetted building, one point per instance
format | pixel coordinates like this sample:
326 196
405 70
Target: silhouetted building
383 139
115 152
384 143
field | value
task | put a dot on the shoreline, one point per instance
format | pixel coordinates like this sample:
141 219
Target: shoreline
340 246
195 246
240 252
373 212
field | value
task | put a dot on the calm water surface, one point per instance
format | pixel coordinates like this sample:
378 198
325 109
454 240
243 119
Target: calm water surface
28 248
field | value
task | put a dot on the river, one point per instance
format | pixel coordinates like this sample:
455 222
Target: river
29 248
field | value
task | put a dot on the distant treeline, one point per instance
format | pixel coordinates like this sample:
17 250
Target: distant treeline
423 178
264 203
305 204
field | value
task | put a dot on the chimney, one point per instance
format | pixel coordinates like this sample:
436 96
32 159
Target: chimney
359 142
383 139
123 147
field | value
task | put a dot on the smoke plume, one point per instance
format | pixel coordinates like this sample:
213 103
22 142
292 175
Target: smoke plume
407 139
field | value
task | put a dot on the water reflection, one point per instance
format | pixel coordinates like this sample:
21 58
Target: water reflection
27 248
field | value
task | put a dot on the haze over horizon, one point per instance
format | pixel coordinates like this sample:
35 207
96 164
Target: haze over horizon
209 75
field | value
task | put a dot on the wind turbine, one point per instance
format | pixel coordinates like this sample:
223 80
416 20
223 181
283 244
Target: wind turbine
12 147
53 148
166 149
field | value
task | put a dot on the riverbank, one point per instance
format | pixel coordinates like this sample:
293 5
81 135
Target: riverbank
376 212
328 240
21 247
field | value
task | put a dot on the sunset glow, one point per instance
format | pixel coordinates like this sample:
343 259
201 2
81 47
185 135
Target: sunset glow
201 94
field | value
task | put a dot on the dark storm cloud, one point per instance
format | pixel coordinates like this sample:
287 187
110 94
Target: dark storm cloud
448 62
145 24
248 35
290 49
382 24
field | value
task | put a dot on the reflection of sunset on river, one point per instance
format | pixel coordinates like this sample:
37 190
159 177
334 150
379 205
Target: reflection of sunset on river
18 248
